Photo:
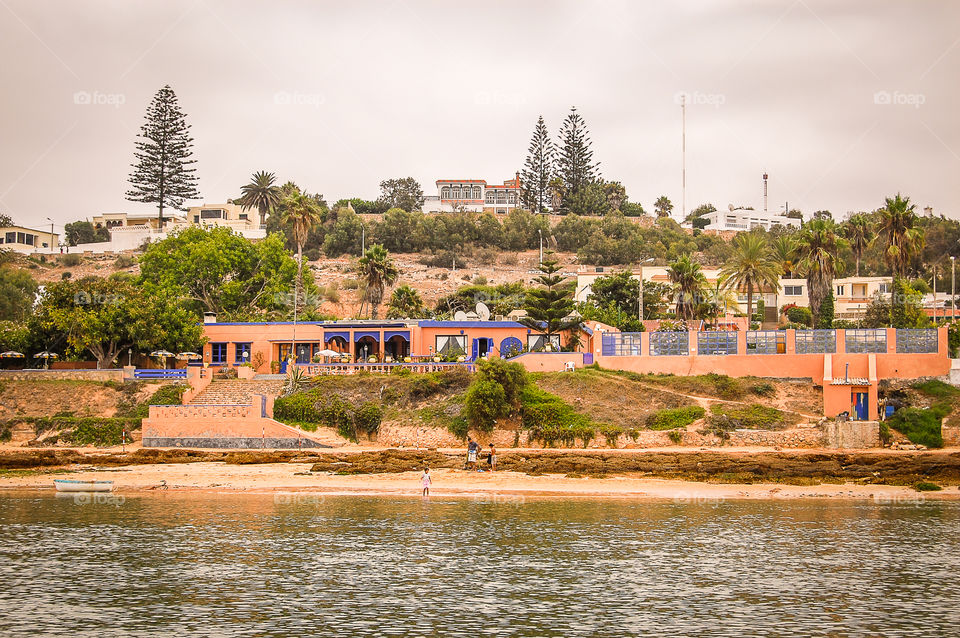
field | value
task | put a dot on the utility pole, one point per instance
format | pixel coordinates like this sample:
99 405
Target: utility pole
540 232
363 239
953 288
683 157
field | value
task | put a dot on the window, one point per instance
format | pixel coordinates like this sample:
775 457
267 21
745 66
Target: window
869 340
766 342
490 198
883 288
816 342
196 219
11 238
917 341
840 291
717 342
793 291
669 343
445 192
621 344
218 353
211 213
538 343
242 353
243 216
451 345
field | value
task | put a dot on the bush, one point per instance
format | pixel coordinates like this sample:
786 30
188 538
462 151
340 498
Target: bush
763 389
124 261
673 418
937 389
926 486
299 408
921 426
459 427
549 419
751 417
485 402
800 314
676 436
66 275
71 260
350 284
367 418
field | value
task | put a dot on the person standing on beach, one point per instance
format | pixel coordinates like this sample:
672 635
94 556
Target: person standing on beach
426 481
492 458
472 449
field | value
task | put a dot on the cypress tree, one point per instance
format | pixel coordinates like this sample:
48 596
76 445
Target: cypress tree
163 174
575 165
538 169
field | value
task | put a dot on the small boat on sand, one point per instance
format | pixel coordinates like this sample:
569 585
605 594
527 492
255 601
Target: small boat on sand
67 485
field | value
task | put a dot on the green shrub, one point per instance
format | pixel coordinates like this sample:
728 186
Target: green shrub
300 407
751 417
71 260
6 432
367 418
459 427
549 419
123 261
926 486
676 436
921 426
485 402
763 389
800 314
937 389
672 418
885 435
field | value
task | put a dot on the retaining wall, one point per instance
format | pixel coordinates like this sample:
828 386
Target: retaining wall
56 375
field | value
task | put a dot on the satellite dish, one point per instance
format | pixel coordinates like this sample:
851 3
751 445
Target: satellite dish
730 206
460 316
482 311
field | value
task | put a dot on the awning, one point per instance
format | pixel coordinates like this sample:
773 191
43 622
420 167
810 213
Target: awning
327 336
357 336
396 333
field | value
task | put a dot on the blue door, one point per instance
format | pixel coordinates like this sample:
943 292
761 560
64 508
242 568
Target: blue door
860 405
481 347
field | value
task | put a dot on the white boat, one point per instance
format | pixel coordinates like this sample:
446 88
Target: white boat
67 485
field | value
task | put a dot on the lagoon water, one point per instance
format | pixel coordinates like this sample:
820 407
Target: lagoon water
308 565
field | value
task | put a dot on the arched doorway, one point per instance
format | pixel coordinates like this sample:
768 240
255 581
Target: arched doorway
510 347
338 344
397 347
366 347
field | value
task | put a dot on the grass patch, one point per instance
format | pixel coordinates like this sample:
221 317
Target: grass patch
749 417
549 419
673 418
937 389
926 486
708 385
921 425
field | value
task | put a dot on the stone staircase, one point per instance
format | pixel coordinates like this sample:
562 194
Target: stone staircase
237 391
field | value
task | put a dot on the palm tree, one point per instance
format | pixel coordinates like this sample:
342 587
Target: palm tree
859 232
898 226
301 213
688 281
378 272
818 250
261 193
784 252
406 303
751 266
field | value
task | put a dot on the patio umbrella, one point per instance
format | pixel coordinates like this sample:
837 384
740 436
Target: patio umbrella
10 354
329 353
46 354
189 356
162 353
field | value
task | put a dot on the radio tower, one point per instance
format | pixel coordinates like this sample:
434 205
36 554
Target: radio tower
764 193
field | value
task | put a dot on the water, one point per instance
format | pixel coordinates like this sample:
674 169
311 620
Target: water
281 565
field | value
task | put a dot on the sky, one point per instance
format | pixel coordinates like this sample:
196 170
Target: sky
841 103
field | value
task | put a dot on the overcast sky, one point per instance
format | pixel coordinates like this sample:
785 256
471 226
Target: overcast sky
842 103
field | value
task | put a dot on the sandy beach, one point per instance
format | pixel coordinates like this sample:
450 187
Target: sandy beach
296 477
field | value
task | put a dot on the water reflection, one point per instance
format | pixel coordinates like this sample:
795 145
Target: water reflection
238 565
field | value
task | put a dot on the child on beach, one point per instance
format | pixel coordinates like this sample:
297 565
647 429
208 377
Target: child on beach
426 480
492 458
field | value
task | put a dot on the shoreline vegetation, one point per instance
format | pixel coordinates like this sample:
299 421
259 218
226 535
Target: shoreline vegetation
600 473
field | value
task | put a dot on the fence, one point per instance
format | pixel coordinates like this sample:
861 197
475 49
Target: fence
163 374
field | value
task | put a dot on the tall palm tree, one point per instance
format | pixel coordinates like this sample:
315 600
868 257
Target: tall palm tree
784 252
261 193
904 237
689 282
818 250
751 266
301 213
859 232
378 272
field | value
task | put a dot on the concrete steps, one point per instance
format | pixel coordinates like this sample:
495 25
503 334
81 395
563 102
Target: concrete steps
237 391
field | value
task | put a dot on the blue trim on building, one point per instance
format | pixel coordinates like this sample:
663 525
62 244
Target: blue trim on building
433 323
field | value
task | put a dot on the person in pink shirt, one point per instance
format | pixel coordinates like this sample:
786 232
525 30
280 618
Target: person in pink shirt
426 481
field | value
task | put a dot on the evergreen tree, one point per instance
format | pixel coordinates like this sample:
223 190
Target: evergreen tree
163 174
549 308
575 165
538 169
825 313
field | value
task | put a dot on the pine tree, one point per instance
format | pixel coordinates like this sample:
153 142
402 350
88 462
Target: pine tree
549 308
575 161
538 169
163 174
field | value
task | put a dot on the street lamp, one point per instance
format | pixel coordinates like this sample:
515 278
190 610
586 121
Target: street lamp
953 288
645 261
540 232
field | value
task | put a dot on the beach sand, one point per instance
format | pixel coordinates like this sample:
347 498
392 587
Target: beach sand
296 477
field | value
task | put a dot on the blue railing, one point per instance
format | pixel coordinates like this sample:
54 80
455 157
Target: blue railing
160 373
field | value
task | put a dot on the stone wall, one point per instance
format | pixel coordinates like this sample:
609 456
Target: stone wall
845 435
234 443
57 375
